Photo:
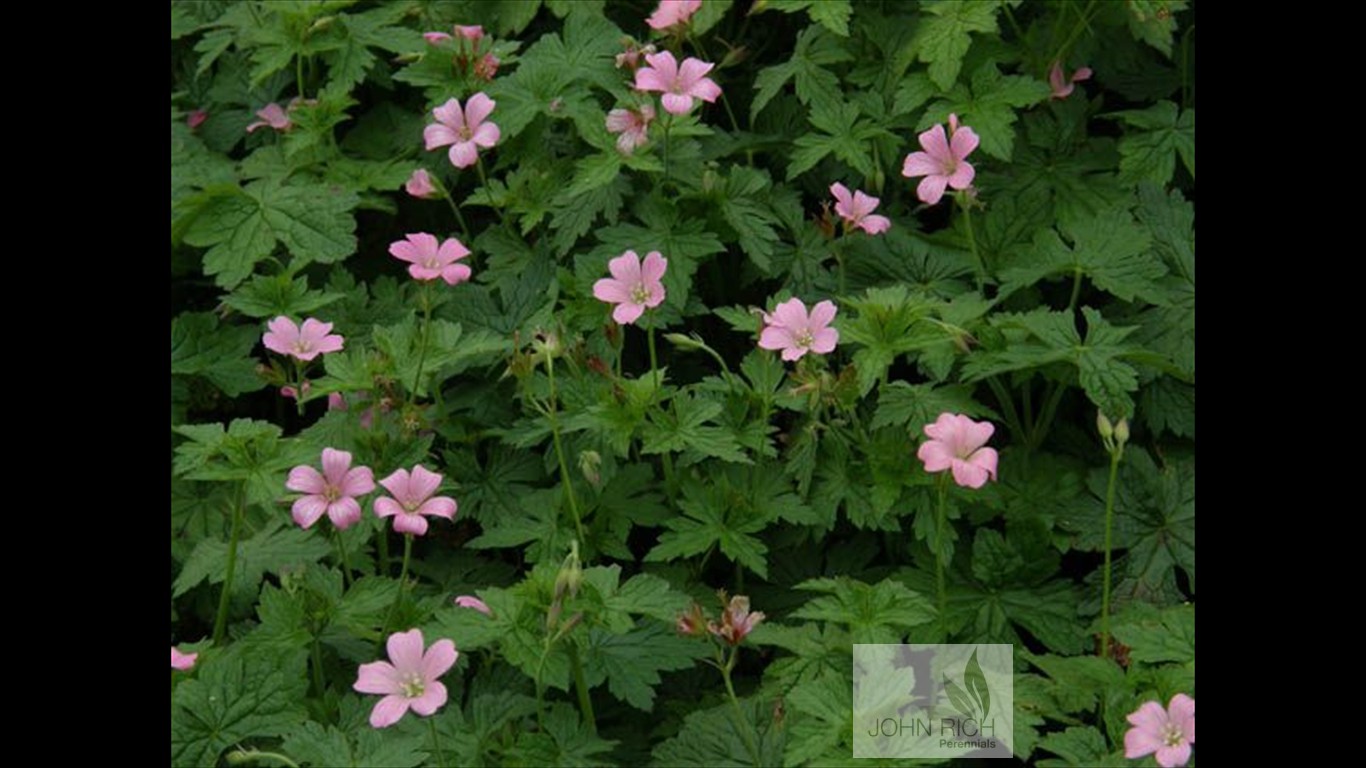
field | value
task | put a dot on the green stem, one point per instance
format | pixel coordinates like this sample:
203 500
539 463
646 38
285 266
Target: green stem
741 722
220 623
559 451
426 338
581 686
658 381
1076 290
980 265
383 543
1115 456
299 75
455 209
253 755
837 248
940 520
1046 416
488 191
668 123
319 682
436 742
1083 21
341 557
402 584
1007 405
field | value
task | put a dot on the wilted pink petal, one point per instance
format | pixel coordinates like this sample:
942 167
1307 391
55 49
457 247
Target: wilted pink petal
486 66
1063 86
474 32
272 115
634 286
736 621
409 680
196 118
336 401
182 661
671 12
632 124
957 443
794 332
420 184
470 601
943 162
436 37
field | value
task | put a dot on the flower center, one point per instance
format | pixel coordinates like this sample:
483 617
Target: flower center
412 686
1172 735
411 506
303 346
640 294
332 493
431 262
465 133
805 338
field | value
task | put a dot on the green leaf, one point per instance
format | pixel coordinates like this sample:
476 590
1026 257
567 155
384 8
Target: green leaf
689 433
711 519
1077 745
1150 154
314 744
712 737
1154 21
273 295
631 662
843 133
915 405
273 549
815 84
943 39
312 221
566 742
221 355
991 110
235 696
1156 635
831 14
1110 248
822 725
880 613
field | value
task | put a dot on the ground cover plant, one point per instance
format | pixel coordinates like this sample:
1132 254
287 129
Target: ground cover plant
575 382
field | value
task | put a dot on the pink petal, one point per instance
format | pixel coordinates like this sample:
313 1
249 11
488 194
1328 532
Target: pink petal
942 428
968 474
1171 757
422 483
823 341
791 314
676 103
335 465
182 661
405 651
450 114
652 270
329 344
389 710
976 434
1082 74
705 89
962 177
1181 712
414 524
456 274
470 601
936 456
284 329
387 507
344 513
486 135
648 79
626 268
377 677
436 37
843 201
875 224
691 72
421 273
463 154
627 313
439 659
964 141
308 509
1140 741
405 251
1149 717
665 64
920 164
1057 81
314 329
936 143
619 120
793 352
610 290
986 460
306 479
451 251
358 482
477 109
822 314
775 337
433 698
438 135
470 32
441 506
931 189
864 204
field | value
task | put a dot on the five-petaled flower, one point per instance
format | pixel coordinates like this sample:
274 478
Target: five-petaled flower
793 331
679 84
957 443
470 601
420 184
632 124
182 661
1170 732
429 260
736 621
307 342
944 161
413 499
634 286
411 681
464 129
671 12
857 210
334 490
1063 86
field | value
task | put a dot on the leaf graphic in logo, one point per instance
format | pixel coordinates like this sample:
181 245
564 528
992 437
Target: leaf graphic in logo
977 684
958 698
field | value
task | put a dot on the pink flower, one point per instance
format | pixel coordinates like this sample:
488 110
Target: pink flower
632 124
428 261
313 339
1170 733
272 115
671 12
334 490
463 129
411 681
420 184
956 442
736 621
182 661
436 37
943 163
469 33
1062 87
790 329
196 118
413 499
634 286
486 67
336 401
470 601
857 210
680 85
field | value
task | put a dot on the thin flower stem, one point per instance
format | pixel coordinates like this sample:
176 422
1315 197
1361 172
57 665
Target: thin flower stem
1008 405
668 123
488 191
402 584
1076 290
658 381
319 681
581 686
1046 416
559 450
1116 454
299 75
436 742
383 544
940 520
426 337
741 722
341 557
220 623
1083 21
972 244
455 209
837 247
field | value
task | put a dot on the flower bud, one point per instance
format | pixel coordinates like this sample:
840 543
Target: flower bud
1122 431
686 343
590 464
1103 426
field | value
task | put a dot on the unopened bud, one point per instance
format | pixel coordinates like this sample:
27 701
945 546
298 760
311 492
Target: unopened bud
1103 426
590 464
569 578
1122 431
686 343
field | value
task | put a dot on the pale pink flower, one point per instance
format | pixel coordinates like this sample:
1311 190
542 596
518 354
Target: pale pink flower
411 681
420 184
634 286
679 84
795 332
1061 85
428 260
944 161
1170 732
470 601
956 442
182 661
632 124
857 211
413 499
671 12
464 129
313 339
196 118
736 621
272 115
334 490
